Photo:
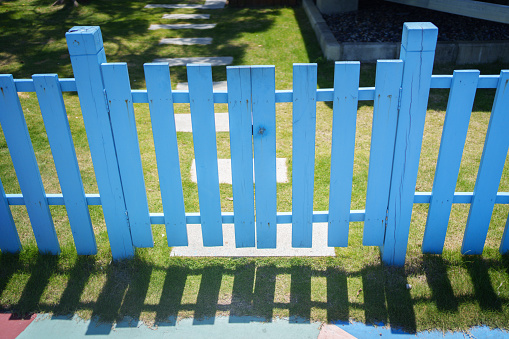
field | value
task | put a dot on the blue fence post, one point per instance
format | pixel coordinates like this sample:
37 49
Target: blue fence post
383 136
417 52
87 54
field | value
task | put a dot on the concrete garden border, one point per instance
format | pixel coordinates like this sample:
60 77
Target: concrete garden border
460 53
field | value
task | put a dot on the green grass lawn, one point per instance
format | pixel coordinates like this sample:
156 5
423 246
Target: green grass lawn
448 292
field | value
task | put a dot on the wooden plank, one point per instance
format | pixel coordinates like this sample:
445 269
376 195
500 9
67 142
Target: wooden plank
504 244
417 52
241 149
25 164
87 53
123 124
381 154
346 88
303 153
9 241
167 154
454 134
205 152
490 171
264 142
51 102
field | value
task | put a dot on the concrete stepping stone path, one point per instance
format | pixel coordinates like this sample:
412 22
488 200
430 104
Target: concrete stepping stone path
283 244
186 16
225 170
214 61
185 41
181 26
183 122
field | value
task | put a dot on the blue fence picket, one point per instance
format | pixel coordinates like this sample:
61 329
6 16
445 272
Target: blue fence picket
25 164
241 148
417 52
167 155
454 134
264 140
504 244
87 53
490 171
57 127
344 120
381 154
9 241
205 152
123 124
303 153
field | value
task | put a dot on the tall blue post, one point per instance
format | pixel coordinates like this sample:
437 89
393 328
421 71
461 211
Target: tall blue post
417 52
85 46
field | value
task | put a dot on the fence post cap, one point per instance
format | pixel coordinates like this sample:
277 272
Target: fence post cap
84 40
419 36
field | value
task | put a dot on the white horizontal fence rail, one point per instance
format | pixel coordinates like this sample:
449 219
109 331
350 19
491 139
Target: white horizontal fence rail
400 101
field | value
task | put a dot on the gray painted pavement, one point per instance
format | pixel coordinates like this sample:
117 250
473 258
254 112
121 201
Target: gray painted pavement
214 61
46 326
283 248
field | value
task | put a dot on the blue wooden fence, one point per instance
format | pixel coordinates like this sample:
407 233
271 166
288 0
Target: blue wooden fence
400 100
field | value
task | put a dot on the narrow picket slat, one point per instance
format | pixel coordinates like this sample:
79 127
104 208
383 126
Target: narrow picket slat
344 119
454 134
23 158
504 244
381 154
9 241
303 153
241 148
51 102
167 154
87 53
490 171
418 52
123 124
264 140
205 152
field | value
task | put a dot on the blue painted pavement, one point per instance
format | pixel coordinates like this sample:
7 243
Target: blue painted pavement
47 326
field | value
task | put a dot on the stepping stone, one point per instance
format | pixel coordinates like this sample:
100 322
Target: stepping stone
183 122
185 41
216 85
283 248
186 16
209 4
181 26
215 4
214 61
225 170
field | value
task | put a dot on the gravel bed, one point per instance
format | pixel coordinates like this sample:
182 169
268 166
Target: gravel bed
382 21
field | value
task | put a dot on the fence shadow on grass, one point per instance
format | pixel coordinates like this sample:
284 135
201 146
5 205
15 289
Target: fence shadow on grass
256 290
